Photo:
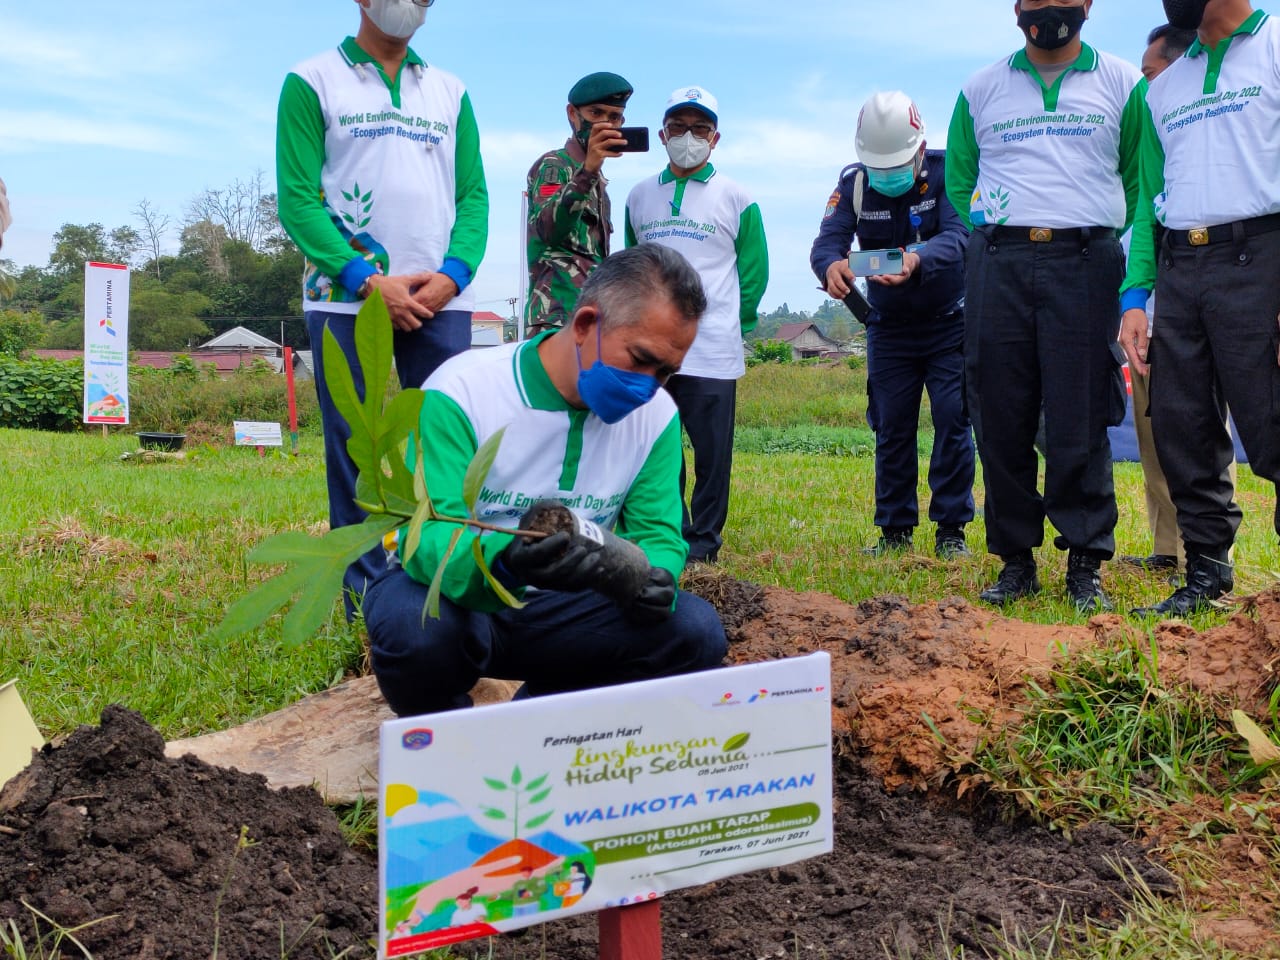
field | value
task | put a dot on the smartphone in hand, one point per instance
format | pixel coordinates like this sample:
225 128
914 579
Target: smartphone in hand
874 263
637 139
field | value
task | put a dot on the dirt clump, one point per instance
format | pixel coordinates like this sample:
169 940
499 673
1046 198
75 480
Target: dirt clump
176 855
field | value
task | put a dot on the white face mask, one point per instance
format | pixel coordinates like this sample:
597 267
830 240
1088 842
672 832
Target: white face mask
687 151
396 18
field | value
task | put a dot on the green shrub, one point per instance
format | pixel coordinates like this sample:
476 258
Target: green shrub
41 394
174 400
769 351
20 332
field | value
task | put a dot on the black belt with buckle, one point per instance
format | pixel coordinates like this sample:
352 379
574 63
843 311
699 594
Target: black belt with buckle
1048 234
1222 232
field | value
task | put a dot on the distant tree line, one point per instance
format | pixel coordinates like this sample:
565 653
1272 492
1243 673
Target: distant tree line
234 265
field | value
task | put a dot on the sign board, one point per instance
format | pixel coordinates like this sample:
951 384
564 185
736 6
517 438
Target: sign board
20 733
508 815
106 343
251 433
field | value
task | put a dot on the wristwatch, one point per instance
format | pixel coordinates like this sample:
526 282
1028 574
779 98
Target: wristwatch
366 288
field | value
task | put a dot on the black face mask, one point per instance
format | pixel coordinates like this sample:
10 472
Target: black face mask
1185 14
1051 27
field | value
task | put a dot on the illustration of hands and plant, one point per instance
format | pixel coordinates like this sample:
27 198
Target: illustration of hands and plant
386 489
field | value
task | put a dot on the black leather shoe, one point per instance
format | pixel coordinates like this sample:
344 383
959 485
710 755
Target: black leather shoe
892 540
1084 582
948 543
1208 578
1017 579
1157 561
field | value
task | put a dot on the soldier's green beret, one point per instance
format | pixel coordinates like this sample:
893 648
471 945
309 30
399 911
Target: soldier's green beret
600 88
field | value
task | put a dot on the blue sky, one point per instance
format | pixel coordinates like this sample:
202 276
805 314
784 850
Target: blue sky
114 103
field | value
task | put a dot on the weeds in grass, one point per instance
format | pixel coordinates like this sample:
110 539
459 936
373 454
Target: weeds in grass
1105 740
359 823
1154 928
47 942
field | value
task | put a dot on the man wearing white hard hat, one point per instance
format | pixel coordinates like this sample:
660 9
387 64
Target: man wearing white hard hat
1042 159
895 198
693 208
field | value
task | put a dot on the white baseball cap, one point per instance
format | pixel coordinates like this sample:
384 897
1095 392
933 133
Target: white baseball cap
692 97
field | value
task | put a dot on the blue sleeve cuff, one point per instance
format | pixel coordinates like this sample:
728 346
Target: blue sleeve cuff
1135 298
355 273
457 271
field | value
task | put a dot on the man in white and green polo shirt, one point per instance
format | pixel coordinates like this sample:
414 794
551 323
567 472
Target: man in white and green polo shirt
380 185
585 426
1210 215
1042 160
693 208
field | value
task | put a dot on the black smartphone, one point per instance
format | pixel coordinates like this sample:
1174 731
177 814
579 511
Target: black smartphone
637 139
858 305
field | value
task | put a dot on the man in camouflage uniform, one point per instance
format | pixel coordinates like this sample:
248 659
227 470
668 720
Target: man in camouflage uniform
568 230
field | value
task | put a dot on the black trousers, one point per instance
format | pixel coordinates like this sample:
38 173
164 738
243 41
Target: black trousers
1041 325
904 358
1216 341
706 408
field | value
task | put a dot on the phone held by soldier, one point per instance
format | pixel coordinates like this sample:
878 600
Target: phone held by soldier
637 139
874 263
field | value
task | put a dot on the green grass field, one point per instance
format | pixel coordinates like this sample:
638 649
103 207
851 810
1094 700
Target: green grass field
111 573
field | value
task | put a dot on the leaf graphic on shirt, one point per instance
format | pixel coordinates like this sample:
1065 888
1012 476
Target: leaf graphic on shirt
347 196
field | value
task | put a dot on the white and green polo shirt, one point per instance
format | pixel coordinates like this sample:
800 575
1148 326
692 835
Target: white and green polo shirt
1064 154
378 172
712 221
623 476
1211 149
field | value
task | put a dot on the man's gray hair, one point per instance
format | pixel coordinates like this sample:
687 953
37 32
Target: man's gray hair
623 281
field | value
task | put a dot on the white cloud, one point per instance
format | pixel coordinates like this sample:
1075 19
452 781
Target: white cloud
425 813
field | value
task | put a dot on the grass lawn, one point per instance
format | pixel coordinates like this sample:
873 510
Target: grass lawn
112 573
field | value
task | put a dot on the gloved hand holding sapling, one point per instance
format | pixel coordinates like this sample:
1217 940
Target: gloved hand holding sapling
576 555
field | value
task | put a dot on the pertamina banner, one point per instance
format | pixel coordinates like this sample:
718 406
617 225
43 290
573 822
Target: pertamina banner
517 813
106 343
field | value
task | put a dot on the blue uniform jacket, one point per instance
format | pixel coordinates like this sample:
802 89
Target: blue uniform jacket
937 287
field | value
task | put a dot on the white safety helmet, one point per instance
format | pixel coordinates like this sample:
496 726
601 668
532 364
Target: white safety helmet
890 130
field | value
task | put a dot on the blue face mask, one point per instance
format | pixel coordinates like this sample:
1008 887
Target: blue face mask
893 182
609 392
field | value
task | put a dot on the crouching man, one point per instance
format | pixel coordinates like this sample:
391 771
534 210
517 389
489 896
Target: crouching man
586 426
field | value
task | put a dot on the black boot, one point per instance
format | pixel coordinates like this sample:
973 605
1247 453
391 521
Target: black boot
892 540
1084 582
948 543
1209 576
1017 579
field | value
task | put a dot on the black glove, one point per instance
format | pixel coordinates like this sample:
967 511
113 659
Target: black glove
654 601
557 562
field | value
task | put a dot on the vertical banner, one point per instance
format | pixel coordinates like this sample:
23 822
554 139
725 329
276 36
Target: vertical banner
106 343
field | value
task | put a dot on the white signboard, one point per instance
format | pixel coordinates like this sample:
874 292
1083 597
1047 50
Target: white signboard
106 343
512 814
251 433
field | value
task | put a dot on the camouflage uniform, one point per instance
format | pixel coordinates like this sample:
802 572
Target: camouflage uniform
568 233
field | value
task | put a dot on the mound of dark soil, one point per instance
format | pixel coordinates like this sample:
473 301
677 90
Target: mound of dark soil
177 855
105 826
